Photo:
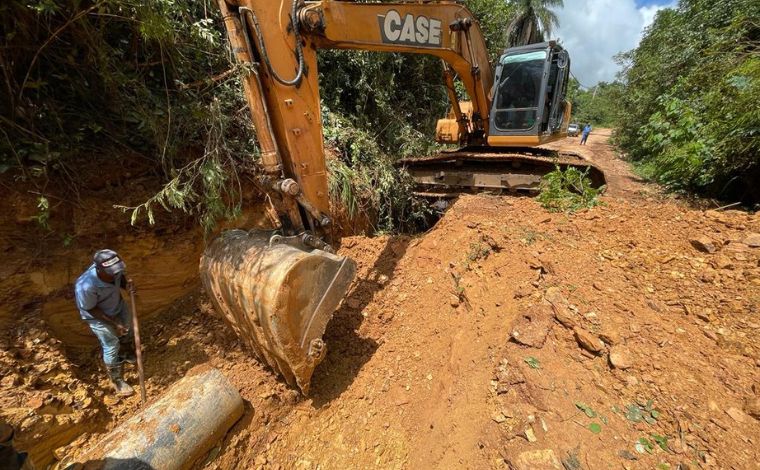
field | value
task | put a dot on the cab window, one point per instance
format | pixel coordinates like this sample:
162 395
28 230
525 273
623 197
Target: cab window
519 90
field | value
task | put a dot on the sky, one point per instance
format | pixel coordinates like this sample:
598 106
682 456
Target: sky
593 31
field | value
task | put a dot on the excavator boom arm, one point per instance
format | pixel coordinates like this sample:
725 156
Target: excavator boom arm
282 86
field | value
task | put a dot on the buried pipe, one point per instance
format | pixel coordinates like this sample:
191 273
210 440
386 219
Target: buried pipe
173 432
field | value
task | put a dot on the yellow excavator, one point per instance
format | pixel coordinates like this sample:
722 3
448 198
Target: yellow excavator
279 289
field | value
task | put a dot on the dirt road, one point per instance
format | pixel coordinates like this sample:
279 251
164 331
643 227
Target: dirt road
625 336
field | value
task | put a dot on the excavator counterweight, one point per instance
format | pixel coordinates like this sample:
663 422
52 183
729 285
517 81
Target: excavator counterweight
279 289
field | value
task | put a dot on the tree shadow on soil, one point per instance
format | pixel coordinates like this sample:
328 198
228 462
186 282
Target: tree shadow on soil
347 351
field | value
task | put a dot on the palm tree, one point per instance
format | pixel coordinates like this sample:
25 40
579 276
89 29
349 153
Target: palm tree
533 21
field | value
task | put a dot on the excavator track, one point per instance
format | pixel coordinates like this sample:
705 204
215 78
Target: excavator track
494 170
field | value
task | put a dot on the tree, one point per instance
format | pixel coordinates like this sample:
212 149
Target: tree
688 116
533 21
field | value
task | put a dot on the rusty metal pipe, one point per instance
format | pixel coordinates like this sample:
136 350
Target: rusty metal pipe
175 431
277 294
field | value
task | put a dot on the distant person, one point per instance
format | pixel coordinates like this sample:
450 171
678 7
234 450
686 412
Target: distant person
98 298
586 132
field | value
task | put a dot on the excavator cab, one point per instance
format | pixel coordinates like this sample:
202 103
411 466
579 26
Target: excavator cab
529 106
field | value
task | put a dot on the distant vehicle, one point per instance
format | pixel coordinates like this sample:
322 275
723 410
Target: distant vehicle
573 130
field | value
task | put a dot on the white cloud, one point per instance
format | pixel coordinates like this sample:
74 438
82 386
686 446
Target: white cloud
593 31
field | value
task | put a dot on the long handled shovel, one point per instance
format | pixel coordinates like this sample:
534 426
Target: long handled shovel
138 347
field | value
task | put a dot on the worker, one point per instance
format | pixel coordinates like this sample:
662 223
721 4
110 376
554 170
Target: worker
98 298
586 132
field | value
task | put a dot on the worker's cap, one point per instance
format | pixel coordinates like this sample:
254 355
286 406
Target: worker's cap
109 262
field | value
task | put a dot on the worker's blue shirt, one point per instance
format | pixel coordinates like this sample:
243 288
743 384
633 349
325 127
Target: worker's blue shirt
587 130
90 292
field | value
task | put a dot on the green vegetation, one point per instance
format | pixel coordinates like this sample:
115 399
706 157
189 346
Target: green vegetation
689 116
88 84
568 191
599 105
532 21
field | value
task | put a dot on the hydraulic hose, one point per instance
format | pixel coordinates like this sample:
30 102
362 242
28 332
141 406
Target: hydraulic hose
248 13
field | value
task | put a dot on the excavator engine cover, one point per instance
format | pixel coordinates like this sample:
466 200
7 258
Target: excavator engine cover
278 294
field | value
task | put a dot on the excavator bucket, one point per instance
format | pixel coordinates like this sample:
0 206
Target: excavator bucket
278 294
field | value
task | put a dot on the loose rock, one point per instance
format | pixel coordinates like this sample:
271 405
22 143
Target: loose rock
737 415
620 358
533 327
554 296
722 262
499 417
588 341
752 407
752 240
704 244
537 460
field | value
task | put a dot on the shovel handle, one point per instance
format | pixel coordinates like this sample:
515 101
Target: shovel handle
138 347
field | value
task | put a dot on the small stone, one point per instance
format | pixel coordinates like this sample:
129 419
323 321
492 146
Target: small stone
532 328
588 341
627 455
454 301
704 314
35 403
499 417
704 244
537 460
710 334
722 262
9 381
632 381
611 337
620 358
564 316
752 407
752 240
716 215
737 415
654 305
530 435
260 461
554 296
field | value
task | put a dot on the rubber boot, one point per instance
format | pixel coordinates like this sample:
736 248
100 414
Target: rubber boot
121 388
127 352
